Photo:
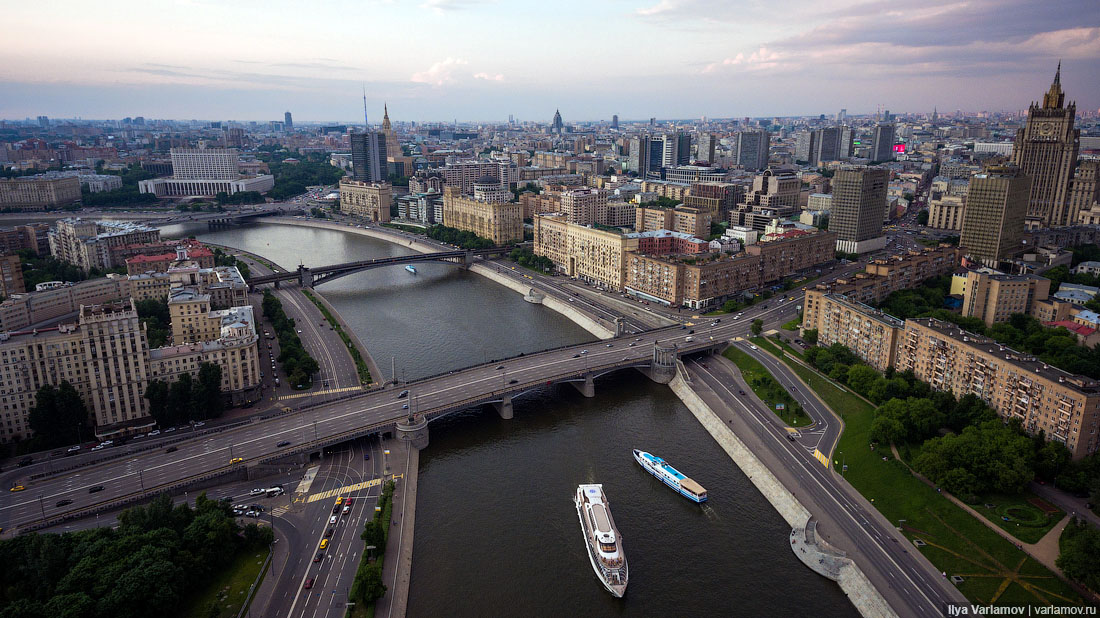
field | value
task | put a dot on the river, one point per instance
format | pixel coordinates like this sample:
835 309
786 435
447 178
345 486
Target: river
496 530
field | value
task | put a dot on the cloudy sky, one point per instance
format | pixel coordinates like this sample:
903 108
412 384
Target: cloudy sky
485 59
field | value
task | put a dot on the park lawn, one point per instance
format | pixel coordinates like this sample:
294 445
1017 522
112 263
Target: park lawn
771 345
230 589
956 542
793 324
1022 530
750 370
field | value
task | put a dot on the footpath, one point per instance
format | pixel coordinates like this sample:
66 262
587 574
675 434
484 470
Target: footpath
397 565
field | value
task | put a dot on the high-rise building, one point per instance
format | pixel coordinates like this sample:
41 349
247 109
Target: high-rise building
640 159
288 122
44 122
847 138
393 147
993 220
370 200
804 147
500 222
675 149
205 163
615 121
705 147
841 115
556 125
883 142
368 156
1046 150
1084 196
826 145
859 197
752 149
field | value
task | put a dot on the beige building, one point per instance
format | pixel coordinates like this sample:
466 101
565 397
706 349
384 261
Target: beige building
11 275
1045 150
993 222
23 310
38 193
88 244
684 219
585 205
899 272
587 253
996 297
150 286
672 190
235 349
370 200
871 334
501 223
946 213
1064 406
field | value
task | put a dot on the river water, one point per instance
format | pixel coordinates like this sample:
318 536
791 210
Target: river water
496 530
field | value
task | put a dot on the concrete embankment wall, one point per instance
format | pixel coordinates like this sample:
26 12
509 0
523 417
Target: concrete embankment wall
851 579
581 319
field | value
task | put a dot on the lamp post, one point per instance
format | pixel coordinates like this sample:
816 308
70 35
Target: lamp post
141 480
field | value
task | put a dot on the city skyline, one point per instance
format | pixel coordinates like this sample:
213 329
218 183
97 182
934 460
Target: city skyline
706 58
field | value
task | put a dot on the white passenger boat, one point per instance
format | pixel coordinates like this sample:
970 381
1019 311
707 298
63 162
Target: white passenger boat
671 476
411 269
602 538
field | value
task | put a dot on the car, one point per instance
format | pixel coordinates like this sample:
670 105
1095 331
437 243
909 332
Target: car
169 430
256 492
753 347
155 432
740 392
691 332
171 449
95 489
403 394
324 543
299 331
283 443
320 556
576 356
65 502
790 437
236 460
73 449
349 501
107 442
26 461
608 345
199 424
513 381
335 510
631 344
98 447
308 584
366 456
584 351
347 509
16 488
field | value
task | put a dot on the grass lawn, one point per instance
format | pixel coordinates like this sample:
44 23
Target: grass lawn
774 345
994 571
793 324
230 589
766 388
1027 521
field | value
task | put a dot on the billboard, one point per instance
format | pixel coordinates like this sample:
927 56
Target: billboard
899 148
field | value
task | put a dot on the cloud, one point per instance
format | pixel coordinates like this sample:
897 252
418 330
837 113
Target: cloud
439 73
662 7
762 58
494 78
442 6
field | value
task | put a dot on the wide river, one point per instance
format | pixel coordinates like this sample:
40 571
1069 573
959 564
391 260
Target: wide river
496 530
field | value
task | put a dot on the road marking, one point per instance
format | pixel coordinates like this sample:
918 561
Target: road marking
326 391
349 488
818 455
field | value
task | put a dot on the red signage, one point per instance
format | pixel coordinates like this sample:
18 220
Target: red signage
899 148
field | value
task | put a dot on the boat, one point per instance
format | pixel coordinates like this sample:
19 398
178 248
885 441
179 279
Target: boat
671 476
411 269
602 538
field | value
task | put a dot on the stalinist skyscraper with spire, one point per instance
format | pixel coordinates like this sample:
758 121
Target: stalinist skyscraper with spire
1046 150
393 148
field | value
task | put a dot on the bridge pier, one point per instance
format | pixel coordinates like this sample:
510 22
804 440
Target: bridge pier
586 388
504 407
305 277
662 369
414 430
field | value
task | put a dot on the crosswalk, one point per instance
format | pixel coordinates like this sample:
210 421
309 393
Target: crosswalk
327 391
279 511
822 457
347 489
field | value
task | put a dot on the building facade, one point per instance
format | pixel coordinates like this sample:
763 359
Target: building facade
33 193
946 213
370 200
501 223
993 220
859 200
586 253
871 334
996 297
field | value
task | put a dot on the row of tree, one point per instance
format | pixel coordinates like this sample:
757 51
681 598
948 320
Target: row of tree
367 587
461 238
239 198
149 566
42 269
58 417
221 258
188 398
527 258
298 365
127 195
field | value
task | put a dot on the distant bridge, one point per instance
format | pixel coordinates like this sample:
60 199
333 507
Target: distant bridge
224 220
309 277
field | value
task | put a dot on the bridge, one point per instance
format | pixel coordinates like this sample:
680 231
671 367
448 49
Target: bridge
404 410
217 220
309 277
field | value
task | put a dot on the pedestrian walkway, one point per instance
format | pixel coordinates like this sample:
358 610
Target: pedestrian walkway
339 491
327 391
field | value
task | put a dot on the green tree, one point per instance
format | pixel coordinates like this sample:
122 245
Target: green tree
757 326
922 217
810 336
207 395
157 394
58 415
1080 545
367 586
861 377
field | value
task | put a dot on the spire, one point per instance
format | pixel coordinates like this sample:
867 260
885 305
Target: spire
1055 98
386 128
365 121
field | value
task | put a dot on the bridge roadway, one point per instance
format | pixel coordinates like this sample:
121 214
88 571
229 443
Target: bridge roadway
310 276
207 457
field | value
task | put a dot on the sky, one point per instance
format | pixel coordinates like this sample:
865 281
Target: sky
481 60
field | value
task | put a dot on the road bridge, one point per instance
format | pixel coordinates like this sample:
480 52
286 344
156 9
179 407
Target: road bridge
309 277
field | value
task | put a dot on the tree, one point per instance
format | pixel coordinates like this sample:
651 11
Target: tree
1080 545
58 415
757 326
180 406
367 586
208 390
810 336
157 394
861 377
922 217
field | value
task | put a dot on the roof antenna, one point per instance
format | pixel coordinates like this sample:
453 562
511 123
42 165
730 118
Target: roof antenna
366 122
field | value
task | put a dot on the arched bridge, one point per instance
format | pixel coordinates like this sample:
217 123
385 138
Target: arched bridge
309 277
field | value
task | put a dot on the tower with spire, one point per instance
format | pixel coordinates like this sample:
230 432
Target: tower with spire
393 147
1046 150
556 125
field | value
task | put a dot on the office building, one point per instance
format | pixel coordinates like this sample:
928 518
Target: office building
751 148
819 202
859 198
883 142
775 189
370 200
501 223
993 222
206 172
996 297
705 147
556 125
38 192
1064 406
804 147
615 122
368 156
288 122
946 213
871 334
1045 150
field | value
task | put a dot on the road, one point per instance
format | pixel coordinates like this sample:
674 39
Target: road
907 581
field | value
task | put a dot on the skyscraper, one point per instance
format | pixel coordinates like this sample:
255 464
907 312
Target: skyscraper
556 125
615 121
993 222
1046 150
804 148
752 149
859 197
705 147
826 145
393 147
883 143
288 122
368 156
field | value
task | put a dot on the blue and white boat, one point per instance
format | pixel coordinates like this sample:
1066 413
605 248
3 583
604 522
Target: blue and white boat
671 476
411 269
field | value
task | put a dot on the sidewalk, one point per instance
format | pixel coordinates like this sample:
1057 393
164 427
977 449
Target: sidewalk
397 567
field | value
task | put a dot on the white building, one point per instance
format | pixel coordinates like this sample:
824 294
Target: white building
205 171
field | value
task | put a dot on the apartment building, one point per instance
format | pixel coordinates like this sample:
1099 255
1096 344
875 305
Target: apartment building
995 297
946 213
869 333
587 253
996 207
463 174
161 262
501 223
235 349
23 310
672 190
585 205
11 275
1066 407
898 272
370 200
38 193
93 244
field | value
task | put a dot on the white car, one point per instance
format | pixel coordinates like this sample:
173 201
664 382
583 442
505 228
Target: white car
753 347
257 492
332 520
155 432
